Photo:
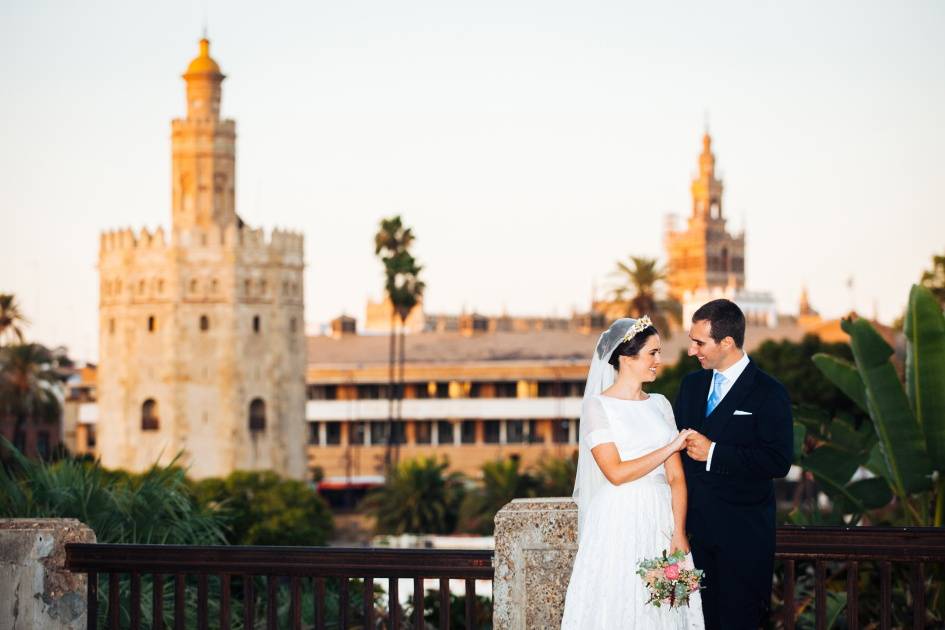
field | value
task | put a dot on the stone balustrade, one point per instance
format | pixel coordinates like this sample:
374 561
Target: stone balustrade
535 544
36 591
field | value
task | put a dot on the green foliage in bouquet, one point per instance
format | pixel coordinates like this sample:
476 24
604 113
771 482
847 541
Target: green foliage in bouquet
668 580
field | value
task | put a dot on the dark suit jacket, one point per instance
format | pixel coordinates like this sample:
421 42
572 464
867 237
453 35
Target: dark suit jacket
733 502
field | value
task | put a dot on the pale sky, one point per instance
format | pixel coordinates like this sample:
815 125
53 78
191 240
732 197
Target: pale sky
529 144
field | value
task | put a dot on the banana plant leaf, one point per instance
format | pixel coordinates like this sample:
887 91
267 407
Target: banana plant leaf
901 441
925 369
845 376
871 493
800 433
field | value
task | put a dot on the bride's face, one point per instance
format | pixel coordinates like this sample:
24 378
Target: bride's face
644 365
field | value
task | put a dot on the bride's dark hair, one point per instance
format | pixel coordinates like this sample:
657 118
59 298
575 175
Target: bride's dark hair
632 347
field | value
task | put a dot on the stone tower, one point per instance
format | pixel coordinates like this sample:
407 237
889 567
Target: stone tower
705 255
202 346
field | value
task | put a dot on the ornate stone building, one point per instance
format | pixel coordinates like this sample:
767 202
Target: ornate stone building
705 256
202 341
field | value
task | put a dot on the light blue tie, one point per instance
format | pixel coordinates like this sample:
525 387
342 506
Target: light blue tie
716 395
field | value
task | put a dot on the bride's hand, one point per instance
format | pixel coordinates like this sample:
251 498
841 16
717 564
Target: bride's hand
679 543
679 442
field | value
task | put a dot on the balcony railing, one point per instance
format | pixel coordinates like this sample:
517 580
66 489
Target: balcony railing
851 550
277 565
825 555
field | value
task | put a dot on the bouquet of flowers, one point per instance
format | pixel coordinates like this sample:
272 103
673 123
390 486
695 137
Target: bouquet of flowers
670 579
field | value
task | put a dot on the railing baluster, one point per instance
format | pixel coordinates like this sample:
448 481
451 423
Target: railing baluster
320 603
249 602
820 588
885 593
853 595
343 603
918 596
470 604
789 594
91 602
180 612
418 603
157 602
135 601
272 611
368 596
202 601
444 604
225 601
296 606
113 605
393 602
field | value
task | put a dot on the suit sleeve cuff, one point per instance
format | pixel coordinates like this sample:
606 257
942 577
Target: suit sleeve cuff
708 461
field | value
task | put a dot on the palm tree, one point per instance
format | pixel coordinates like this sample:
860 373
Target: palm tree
11 319
502 481
404 297
29 386
635 287
418 497
404 289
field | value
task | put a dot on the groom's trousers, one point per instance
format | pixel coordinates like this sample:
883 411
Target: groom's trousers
732 597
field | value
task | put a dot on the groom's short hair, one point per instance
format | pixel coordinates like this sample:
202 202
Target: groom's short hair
725 319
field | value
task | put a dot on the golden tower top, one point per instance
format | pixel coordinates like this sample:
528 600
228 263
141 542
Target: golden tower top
203 64
203 79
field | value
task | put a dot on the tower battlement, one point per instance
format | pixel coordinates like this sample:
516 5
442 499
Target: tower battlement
127 239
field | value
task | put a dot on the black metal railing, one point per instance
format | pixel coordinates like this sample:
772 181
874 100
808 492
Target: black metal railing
853 550
815 560
303 571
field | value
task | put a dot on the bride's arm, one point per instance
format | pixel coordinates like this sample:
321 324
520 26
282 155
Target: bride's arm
617 471
677 485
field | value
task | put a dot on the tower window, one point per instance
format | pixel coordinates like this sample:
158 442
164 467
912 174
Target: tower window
149 416
111 326
247 287
160 285
292 324
204 323
193 286
257 415
262 287
214 285
141 287
255 323
152 323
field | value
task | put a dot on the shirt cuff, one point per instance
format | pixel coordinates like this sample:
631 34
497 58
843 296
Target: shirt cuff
708 461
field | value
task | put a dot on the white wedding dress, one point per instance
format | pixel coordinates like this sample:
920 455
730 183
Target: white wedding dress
621 525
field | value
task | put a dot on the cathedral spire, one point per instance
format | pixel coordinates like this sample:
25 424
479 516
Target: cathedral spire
706 189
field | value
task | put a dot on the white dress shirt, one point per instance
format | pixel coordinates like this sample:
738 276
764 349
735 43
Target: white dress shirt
731 375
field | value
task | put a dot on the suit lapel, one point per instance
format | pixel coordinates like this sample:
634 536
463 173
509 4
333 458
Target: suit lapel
723 412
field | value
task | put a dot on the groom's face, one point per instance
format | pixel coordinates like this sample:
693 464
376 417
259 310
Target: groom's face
701 345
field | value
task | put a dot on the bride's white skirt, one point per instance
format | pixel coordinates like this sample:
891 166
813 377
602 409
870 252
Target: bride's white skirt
624 525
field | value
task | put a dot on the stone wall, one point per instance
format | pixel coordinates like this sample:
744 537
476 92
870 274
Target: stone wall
535 544
36 591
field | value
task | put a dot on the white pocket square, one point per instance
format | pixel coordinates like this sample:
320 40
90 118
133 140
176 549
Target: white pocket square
739 412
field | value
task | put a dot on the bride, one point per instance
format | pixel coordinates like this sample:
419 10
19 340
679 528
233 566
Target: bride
630 489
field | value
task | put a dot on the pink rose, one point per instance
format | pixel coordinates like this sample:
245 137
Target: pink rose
671 572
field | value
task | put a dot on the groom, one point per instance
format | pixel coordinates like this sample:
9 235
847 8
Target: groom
743 440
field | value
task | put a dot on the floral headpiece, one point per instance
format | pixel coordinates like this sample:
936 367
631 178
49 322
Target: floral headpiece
638 326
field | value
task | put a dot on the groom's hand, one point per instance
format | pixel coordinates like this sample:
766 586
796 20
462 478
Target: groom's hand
697 446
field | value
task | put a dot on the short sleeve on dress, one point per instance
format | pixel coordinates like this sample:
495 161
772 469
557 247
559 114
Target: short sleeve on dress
595 427
666 408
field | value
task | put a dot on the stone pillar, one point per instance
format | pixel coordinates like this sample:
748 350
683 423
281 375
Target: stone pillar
36 591
535 543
